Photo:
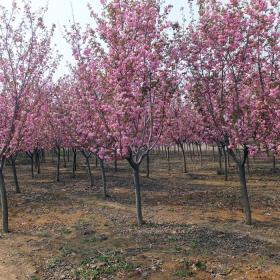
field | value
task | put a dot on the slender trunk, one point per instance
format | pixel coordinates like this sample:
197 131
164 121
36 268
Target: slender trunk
213 151
104 183
96 161
87 157
13 161
32 164
168 159
68 155
58 165
243 184
184 157
274 162
220 161
245 196
37 159
200 154
64 158
43 156
74 163
248 166
225 162
137 188
190 149
4 201
148 165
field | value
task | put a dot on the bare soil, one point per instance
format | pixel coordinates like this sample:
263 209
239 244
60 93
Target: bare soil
194 224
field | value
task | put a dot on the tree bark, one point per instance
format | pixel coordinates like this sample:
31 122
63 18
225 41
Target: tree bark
64 158
74 163
243 184
148 165
168 159
58 165
137 187
273 162
184 157
104 181
14 169
4 201
87 157
225 162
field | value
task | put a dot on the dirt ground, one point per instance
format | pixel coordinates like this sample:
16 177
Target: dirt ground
194 224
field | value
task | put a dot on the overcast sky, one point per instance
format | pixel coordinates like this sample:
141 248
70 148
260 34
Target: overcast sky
60 13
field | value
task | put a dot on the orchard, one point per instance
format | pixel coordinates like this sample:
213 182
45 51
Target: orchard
153 154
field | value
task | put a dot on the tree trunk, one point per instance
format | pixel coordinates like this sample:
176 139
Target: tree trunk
87 157
225 162
243 184
64 158
15 174
58 165
200 154
213 152
37 160
244 193
104 183
184 157
148 165
74 163
168 159
32 163
273 162
4 201
137 187
220 171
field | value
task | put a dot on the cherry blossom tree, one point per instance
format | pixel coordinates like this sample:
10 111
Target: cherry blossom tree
26 66
230 60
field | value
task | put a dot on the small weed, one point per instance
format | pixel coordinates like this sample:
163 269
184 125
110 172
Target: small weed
34 278
44 234
183 273
200 265
261 261
65 231
178 248
172 238
95 238
55 261
103 264
65 250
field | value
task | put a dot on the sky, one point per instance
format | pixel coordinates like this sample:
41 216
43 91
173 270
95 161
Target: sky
60 13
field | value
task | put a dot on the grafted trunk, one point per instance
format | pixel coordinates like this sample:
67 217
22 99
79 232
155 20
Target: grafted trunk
74 163
220 170
115 162
213 153
104 181
243 184
14 169
200 154
184 157
37 161
31 156
225 162
137 188
64 158
4 201
87 157
148 165
168 158
273 162
136 180
58 165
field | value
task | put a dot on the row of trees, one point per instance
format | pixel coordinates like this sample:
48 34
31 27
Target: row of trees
140 81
